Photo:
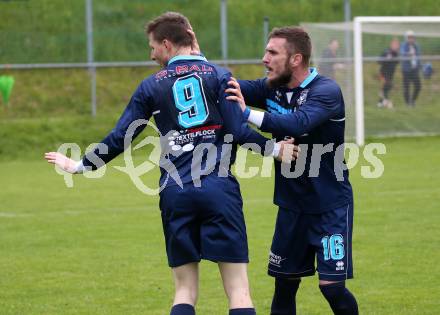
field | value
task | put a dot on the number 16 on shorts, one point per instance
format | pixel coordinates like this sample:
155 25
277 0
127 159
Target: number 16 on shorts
333 247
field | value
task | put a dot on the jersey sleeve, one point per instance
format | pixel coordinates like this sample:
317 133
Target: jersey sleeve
235 124
320 106
254 92
113 143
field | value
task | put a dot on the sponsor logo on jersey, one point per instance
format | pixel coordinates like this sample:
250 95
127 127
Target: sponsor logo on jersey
302 97
339 265
184 139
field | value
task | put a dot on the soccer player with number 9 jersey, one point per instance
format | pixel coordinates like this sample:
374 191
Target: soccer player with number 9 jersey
200 200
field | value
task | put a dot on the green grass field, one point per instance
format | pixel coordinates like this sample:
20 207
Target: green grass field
98 248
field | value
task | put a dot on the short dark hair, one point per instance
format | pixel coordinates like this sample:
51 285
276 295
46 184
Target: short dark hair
298 41
172 26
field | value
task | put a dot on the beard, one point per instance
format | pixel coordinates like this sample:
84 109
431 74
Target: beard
283 78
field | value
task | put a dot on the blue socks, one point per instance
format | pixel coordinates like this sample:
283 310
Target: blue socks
242 311
283 302
340 299
183 309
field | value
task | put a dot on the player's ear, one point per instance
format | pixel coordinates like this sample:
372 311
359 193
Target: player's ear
167 44
296 60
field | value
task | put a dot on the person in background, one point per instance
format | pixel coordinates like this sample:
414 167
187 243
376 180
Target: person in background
328 65
388 64
410 63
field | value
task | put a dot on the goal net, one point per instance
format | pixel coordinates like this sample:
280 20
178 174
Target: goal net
390 84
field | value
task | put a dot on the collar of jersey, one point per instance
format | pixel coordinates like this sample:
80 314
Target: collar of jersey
313 73
186 57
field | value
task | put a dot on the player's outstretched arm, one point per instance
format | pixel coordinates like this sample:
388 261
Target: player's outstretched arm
137 110
315 111
318 108
62 161
114 142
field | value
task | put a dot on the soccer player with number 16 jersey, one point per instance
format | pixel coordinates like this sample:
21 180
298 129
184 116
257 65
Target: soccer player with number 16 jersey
315 216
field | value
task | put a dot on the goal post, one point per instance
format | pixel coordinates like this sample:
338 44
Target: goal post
358 24
359 83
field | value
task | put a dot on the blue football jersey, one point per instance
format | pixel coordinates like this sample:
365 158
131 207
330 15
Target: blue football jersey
188 103
314 114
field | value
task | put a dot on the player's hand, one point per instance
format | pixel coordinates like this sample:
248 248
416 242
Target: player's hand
65 163
195 48
289 151
236 96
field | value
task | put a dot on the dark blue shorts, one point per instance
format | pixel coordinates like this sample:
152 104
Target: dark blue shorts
204 222
300 238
